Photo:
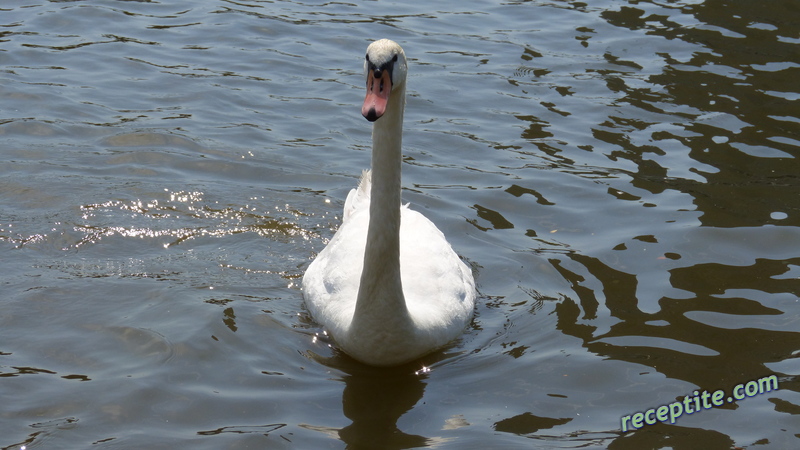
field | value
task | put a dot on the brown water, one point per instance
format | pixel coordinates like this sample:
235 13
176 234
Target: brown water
622 176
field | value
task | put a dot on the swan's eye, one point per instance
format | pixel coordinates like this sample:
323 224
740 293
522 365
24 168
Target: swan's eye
395 58
367 57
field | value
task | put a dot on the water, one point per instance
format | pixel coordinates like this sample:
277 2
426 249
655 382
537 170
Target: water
620 175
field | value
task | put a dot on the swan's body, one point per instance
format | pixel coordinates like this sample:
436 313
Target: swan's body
388 287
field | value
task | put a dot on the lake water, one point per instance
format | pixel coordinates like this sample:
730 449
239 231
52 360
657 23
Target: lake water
622 177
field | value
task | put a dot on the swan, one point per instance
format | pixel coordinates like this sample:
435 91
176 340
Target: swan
388 287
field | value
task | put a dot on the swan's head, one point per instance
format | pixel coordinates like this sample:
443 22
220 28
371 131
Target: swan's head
385 69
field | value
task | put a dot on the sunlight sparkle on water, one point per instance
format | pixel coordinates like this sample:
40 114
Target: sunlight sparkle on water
423 370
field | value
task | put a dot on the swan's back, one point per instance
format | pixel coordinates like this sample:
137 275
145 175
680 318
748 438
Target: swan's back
438 287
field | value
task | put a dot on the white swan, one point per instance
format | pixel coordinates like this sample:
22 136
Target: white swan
388 287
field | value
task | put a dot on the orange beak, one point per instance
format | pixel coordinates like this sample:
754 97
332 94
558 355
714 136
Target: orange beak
378 90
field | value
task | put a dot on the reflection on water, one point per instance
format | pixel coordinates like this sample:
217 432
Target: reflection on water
621 176
740 99
375 402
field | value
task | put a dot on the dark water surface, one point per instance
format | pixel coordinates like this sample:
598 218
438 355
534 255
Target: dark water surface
622 176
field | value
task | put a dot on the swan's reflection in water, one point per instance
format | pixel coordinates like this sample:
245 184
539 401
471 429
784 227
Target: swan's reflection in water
375 398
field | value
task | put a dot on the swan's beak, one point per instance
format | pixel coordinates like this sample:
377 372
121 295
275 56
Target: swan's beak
378 89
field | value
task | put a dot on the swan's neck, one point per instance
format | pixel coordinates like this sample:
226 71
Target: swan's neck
380 301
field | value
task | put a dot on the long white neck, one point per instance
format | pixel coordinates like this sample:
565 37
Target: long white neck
380 299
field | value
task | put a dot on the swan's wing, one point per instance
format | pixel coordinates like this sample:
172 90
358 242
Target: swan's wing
330 284
438 286
359 197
